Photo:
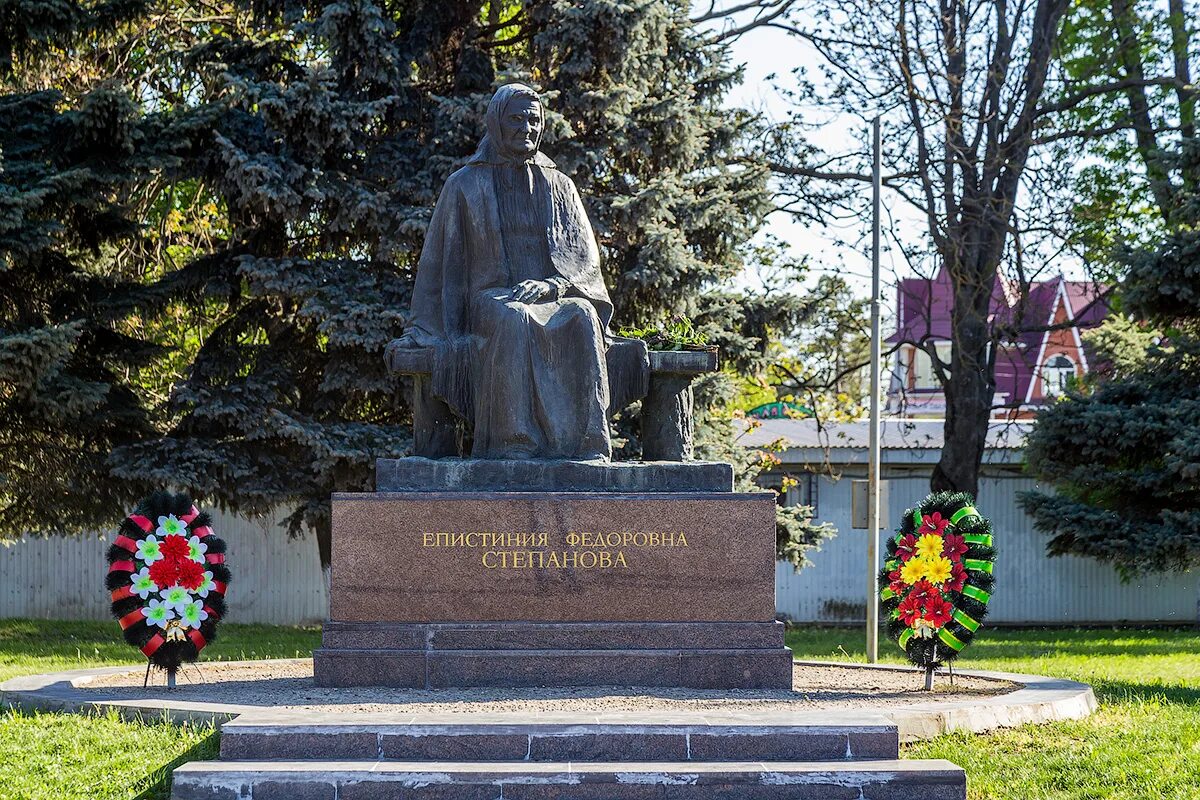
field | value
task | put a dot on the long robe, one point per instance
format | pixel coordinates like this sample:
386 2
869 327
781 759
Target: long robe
531 377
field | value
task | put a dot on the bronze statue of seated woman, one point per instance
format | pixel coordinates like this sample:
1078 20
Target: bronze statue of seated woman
510 300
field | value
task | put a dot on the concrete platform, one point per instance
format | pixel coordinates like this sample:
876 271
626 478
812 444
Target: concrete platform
456 780
1036 700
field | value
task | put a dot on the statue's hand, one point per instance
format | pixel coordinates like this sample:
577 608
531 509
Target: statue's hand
406 340
531 291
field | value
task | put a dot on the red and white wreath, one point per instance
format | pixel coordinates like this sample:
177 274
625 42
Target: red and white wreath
167 578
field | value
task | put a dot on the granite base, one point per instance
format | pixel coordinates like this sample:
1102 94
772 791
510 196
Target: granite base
511 589
433 656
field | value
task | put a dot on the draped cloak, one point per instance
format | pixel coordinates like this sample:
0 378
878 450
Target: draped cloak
533 378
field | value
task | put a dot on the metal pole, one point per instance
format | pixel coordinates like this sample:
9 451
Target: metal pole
873 464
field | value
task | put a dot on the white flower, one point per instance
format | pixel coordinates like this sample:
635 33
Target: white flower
196 549
176 597
171 525
142 584
158 613
193 614
207 586
149 550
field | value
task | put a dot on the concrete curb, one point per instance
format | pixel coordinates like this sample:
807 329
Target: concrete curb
1040 700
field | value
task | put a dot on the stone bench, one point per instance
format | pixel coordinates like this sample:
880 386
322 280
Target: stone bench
667 420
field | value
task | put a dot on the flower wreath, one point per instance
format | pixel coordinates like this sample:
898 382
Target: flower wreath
937 580
167 577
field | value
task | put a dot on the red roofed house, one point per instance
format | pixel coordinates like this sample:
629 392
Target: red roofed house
1040 348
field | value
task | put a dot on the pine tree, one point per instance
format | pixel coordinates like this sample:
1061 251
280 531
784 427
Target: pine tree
68 357
1124 456
319 135
287 400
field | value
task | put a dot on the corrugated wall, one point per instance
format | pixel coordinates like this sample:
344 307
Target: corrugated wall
1030 588
275 580
279 581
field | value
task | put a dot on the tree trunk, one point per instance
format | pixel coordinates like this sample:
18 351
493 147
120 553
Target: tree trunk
325 543
969 387
1129 51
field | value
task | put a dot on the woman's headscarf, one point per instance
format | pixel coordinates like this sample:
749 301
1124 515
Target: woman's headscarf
490 150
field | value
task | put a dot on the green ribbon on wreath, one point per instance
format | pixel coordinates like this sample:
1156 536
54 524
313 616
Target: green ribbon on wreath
963 513
966 621
950 640
975 593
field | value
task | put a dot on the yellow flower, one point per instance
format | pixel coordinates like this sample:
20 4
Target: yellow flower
929 545
937 570
913 570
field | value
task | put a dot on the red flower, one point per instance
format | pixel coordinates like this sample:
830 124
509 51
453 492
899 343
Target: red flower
191 574
933 523
954 547
175 546
958 578
938 611
923 590
906 547
910 610
897 584
165 572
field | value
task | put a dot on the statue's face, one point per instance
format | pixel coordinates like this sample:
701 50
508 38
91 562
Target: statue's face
522 126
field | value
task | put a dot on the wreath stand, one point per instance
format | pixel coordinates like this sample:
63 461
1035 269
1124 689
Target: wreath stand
171 672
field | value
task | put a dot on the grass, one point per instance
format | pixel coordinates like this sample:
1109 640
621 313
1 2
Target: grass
28 647
100 756
1143 744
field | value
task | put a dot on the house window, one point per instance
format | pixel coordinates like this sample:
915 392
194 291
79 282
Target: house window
924 376
1056 374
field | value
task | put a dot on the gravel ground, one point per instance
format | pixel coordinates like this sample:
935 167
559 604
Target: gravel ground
288 684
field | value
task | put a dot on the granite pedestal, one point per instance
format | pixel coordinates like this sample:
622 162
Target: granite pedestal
562 588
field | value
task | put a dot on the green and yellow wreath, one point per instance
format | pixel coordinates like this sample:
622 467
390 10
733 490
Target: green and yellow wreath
937 581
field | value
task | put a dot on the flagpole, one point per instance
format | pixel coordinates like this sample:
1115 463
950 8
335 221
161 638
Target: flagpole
873 465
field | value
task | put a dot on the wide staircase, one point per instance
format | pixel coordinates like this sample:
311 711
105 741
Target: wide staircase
613 756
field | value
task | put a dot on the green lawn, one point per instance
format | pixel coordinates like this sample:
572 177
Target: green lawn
1144 743
69 757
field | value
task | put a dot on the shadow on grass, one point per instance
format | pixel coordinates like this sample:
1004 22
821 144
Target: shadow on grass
1116 691
1015 644
1049 645
157 785
33 642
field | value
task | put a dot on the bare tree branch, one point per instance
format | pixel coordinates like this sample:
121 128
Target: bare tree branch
768 12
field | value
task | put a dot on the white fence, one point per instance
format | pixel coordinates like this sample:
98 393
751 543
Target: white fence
1030 587
275 579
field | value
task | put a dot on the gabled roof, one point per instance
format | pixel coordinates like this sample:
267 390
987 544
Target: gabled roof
924 307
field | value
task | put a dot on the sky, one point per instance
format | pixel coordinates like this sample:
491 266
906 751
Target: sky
768 51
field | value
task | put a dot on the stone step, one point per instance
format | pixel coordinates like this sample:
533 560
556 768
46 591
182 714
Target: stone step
399 780
696 737
757 668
